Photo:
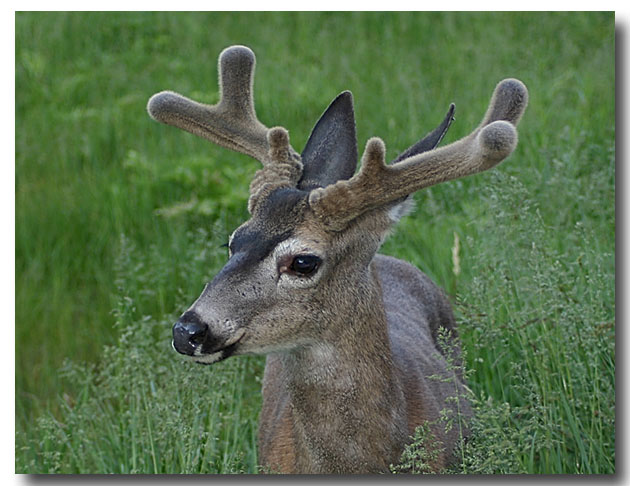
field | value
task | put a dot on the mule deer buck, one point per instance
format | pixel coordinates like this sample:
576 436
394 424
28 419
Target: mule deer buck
350 335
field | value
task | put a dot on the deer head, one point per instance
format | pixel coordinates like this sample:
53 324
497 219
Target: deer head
303 256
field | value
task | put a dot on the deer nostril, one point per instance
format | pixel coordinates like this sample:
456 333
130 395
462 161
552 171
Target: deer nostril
188 335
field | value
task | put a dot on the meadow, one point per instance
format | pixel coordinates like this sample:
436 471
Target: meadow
120 222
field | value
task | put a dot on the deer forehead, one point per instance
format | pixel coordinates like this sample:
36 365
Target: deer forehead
275 219
282 223
276 248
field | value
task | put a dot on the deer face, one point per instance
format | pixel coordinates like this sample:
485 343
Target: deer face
315 226
275 291
272 272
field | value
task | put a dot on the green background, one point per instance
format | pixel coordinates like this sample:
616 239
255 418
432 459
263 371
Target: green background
120 222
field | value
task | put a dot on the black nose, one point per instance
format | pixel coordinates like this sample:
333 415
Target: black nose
188 335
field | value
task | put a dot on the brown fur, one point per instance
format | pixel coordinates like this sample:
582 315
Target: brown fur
394 362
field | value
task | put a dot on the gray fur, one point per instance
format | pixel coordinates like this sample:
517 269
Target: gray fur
350 335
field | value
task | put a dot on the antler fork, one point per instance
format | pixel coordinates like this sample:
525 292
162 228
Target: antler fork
378 184
232 123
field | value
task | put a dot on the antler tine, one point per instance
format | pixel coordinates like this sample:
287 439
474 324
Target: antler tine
284 170
378 184
231 123
508 102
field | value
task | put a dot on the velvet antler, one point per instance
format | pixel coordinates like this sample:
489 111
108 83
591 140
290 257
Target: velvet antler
283 170
378 184
232 123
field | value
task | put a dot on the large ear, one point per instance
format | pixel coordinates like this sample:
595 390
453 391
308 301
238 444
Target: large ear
430 141
331 151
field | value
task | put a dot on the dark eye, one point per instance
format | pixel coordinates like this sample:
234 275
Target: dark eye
305 264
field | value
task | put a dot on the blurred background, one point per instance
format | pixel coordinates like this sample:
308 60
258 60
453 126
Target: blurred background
120 222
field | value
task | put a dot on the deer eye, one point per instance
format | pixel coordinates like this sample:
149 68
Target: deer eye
304 265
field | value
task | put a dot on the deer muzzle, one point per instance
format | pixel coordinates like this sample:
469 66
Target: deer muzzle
195 338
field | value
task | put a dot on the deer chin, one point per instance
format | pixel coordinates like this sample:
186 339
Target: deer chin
228 349
208 359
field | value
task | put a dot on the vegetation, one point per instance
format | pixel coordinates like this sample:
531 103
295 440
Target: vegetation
120 222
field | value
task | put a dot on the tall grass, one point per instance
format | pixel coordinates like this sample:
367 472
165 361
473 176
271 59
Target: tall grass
540 346
141 410
97 387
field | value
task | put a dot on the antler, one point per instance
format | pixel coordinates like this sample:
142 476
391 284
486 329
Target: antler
377 184
232 123
284 170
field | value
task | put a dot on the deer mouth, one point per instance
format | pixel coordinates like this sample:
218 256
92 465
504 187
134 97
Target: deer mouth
204 343
227 350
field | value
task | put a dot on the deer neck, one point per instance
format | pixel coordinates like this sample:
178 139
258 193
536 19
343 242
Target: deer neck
346 396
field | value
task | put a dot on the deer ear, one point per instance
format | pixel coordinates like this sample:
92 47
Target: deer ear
431 140
331 151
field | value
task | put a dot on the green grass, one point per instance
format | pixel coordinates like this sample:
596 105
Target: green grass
120 222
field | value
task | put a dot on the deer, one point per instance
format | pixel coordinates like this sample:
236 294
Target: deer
351 336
